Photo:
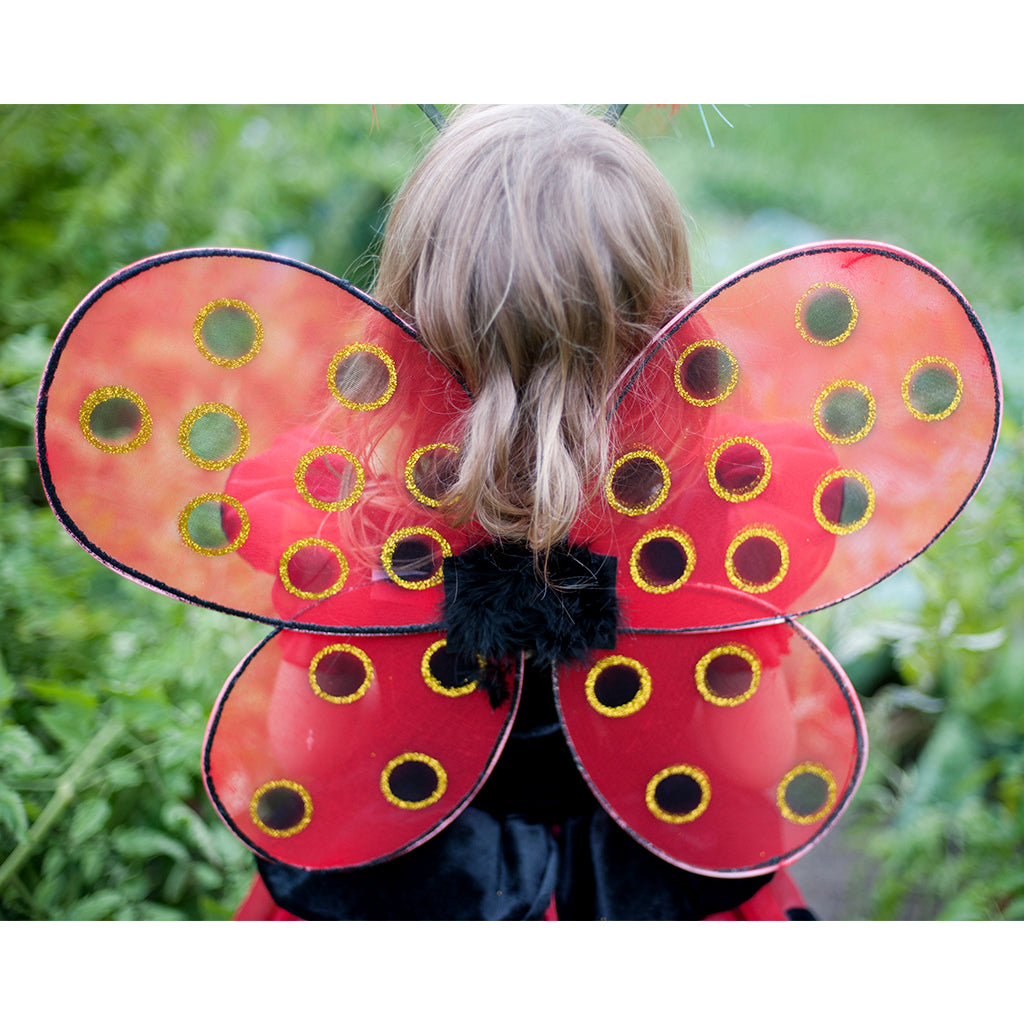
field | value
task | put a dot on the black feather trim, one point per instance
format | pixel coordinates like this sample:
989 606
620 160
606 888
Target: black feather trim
498 601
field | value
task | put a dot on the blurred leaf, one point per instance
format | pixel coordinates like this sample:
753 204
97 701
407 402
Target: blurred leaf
13 818
98 906
940 777
73 695
144 843
19 749
88 818
91 860
122 774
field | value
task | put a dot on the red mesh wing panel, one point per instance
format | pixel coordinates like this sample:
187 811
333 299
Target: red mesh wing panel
727 753
800 432
336 751
250 433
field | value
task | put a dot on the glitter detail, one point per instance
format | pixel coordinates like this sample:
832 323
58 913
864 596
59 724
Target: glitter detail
347 698
434 683
748 490
308 542
807 768
744 584
230 545
197 332
410 472
821 413
641 697
819 492
739 651
719 396
851 323
636 569
341 503
640 509
383 397
678 769
908 381
412 805
268 787
185 432
391 544
106 394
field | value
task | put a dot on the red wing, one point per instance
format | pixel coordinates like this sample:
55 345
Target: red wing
205 405
335 752
726 753
799 432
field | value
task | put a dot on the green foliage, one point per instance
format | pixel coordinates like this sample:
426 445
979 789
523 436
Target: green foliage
105 687
939 819
941 812
943 182
307 181
103 705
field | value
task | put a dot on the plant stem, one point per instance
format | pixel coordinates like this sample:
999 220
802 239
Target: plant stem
63 795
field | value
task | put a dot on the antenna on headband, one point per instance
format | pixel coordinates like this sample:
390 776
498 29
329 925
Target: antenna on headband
437 119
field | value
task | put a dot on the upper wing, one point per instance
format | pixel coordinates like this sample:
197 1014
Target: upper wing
799 432
208 402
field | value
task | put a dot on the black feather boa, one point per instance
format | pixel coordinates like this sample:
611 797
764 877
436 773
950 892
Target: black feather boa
499 600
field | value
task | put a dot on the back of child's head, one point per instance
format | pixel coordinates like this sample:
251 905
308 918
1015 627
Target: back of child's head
535 250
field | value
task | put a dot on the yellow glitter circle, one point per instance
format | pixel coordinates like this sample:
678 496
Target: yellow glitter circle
388 553
186 512
684 542
627 510
679 769
307 805
843 335
746 493
932 361
410 472
197 332
733 377
807 768
820 401
730 569
309 458
185 430
412 805
819 491
308 542
349 350
701 677
434 683
105 394
348 698
621 710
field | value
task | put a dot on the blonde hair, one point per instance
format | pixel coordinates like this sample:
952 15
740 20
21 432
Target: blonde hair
534 250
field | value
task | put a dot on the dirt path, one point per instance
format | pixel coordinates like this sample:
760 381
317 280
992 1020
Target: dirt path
825 878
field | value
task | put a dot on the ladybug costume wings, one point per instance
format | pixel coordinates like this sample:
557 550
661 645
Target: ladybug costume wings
248 433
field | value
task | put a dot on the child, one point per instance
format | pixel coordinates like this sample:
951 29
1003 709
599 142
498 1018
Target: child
441 524
535 250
